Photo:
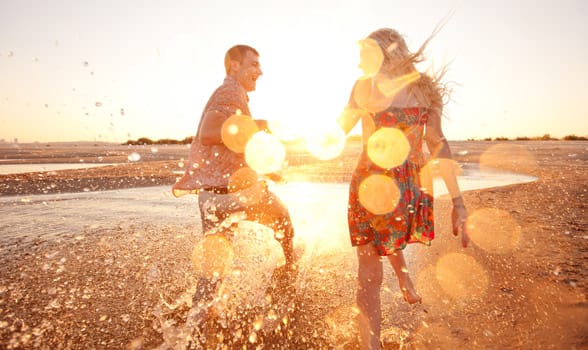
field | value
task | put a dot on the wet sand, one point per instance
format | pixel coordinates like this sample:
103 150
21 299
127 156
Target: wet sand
523 289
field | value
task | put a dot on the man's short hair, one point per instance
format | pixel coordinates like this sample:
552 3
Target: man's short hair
236 53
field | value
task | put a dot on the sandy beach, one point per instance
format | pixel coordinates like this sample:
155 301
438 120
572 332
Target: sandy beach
522 284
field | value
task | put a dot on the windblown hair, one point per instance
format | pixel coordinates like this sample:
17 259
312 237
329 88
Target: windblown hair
398 60
236 53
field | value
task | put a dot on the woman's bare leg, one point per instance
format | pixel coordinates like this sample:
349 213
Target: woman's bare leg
406 287
370 276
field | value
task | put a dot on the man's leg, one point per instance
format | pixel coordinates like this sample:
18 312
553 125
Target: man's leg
273 213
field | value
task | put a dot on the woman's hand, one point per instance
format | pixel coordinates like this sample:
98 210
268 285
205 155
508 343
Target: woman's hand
459 216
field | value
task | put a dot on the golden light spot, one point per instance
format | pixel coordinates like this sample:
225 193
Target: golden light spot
264 153
370 57
237 130
368 97
510 157
379 194
427 285
241 179
285 131
390 87
437 167
212 257
494 230
349 116
461 277
326 143
388 147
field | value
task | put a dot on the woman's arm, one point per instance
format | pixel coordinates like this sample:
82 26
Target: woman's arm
440 150
350 115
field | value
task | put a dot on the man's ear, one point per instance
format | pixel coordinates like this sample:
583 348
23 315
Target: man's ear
234 66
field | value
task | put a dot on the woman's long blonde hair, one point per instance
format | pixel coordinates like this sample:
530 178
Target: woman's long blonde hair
398 60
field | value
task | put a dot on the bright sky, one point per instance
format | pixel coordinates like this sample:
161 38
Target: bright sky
117 70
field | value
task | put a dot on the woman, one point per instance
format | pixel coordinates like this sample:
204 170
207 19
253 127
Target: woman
390 195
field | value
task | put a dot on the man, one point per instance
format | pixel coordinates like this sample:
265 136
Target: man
215 170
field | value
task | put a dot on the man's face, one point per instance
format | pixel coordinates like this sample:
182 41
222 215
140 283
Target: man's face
248 71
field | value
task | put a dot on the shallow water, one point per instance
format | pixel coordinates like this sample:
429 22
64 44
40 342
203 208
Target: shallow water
33 216
6 169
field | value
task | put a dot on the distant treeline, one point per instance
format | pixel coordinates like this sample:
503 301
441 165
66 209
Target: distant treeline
545 137
188 140
148 141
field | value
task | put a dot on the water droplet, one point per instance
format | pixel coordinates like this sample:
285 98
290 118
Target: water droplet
252 337
134 157
258 323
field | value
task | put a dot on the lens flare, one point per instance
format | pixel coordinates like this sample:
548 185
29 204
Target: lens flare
236 132
379 194
367 96
510 157
461 276
242 178
388 147
370 57
437 167
327 143
390 87
494 230
285 131
212 257
264 153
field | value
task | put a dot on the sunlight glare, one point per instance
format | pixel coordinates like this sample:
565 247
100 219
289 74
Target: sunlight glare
461 276
379 194
241 179
326 143
494 230
264 153
510 157
237 130
370 57
285 131
390 87
388 147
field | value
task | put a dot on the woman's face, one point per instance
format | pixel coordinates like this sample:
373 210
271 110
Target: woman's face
370 57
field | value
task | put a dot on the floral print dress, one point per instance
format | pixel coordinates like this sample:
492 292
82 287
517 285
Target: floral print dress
412 219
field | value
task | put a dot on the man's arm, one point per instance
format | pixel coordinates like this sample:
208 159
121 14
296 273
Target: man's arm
224 103
210 130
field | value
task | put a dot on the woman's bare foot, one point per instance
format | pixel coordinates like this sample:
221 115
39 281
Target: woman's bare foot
411 297
408 292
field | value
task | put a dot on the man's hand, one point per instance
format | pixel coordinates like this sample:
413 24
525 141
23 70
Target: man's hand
262 124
